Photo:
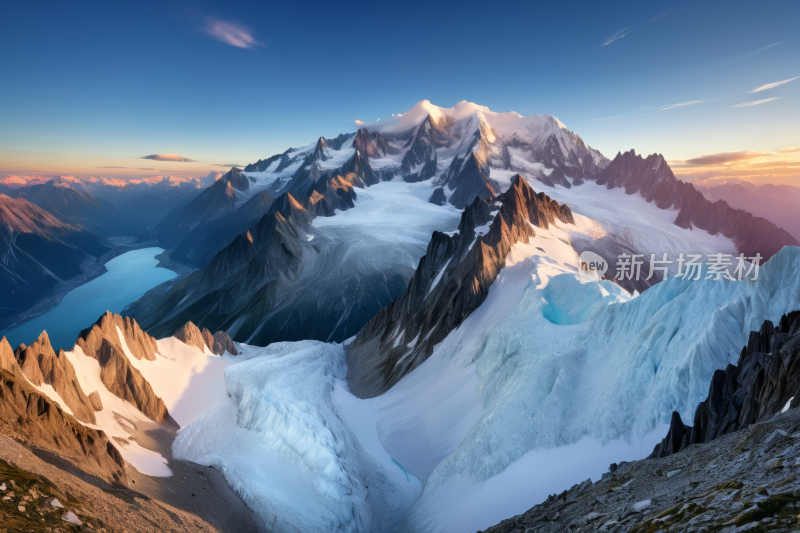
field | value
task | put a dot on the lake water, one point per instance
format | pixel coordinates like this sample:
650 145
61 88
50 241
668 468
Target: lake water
129 276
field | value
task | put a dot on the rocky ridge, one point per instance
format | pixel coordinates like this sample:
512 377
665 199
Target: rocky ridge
42 366
765 380
102 342
29 416
451 281
218 343
652 178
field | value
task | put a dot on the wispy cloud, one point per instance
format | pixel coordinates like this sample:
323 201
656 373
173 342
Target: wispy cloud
110 167
669 106
231 33
170 157
606 118
721 158
227 165
616 36
145 169
757 102
661 15
772 85
760 50
789 150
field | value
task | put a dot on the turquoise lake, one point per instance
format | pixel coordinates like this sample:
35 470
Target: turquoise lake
129 276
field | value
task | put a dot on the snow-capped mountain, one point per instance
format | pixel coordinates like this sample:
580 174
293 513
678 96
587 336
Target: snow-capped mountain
429 346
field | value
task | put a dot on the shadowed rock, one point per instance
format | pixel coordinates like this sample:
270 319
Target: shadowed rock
451 281
223 343
765 381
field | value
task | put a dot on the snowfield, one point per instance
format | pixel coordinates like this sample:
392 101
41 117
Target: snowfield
281 443
545 384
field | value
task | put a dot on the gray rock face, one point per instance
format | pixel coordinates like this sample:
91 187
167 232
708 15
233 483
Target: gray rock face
765 380
402 335
223 343
438 197
652 178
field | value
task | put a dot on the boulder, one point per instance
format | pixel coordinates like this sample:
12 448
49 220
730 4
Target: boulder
223 343
94 400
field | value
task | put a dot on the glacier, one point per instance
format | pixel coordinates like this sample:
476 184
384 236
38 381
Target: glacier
281 444
547 382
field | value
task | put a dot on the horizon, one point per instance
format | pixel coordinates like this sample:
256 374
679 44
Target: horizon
711 87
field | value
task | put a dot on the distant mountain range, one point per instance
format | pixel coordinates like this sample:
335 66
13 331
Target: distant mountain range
450 157
37 251
776 203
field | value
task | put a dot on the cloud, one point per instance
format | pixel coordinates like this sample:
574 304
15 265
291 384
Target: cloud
170 157
227 165
661 15
757 102
670 106
145 169
231 33
110 167
789 150
721 158
359 123
772 85
760 50
607 118
616 36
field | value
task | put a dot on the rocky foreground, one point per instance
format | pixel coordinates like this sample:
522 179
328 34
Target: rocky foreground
746 481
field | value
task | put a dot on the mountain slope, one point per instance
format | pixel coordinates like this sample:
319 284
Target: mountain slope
214 202
37 251
776 203
452 280
77 208
652 178
293 276
208 237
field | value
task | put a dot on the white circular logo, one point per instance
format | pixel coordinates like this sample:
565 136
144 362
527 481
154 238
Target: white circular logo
591 266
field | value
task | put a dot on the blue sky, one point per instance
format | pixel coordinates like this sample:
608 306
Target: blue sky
236 81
